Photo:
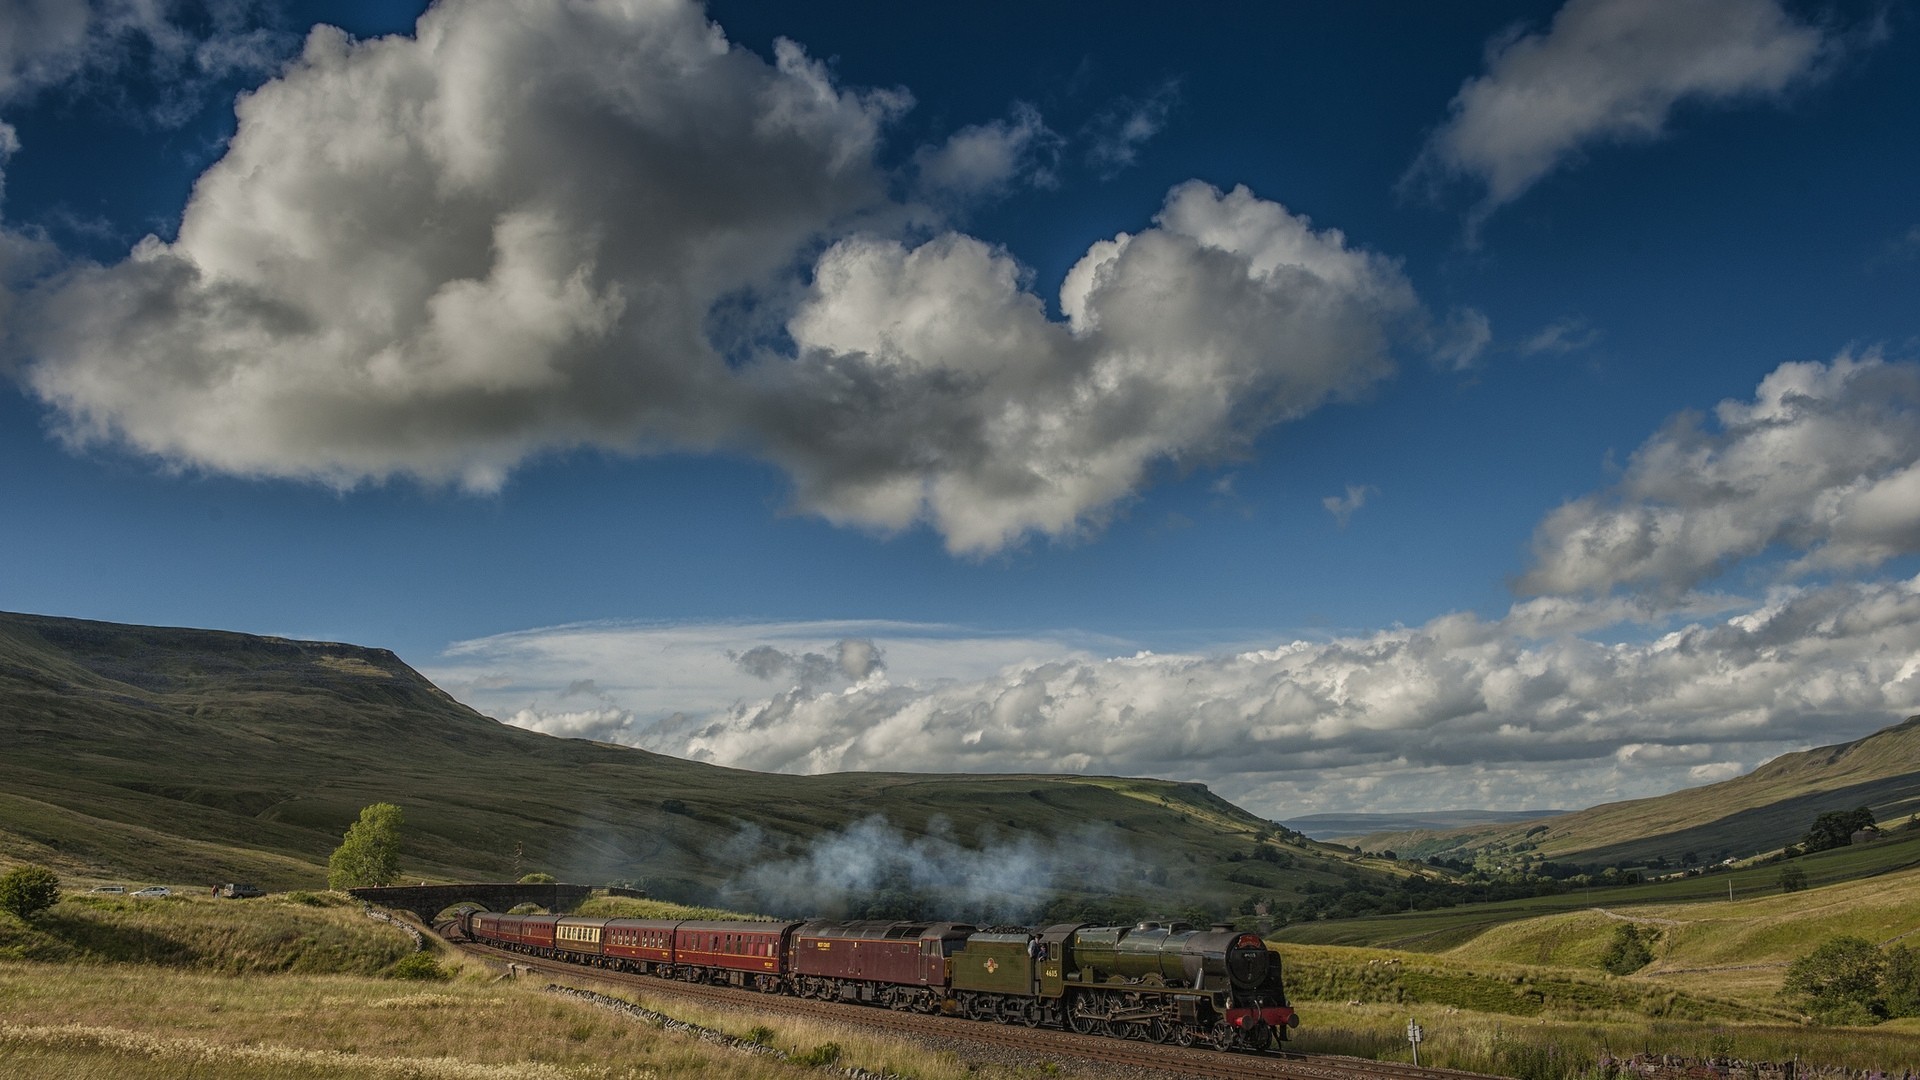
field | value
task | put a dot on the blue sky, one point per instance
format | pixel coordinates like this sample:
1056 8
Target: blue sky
1350 406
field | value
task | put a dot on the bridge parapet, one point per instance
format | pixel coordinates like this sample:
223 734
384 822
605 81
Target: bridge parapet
426 901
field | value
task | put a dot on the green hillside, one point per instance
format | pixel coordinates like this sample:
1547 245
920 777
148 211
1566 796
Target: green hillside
195 756
1764 810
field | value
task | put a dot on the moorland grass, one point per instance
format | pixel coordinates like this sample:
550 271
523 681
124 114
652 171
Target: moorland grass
269 934
628 907
111 1022
1555 1048
307 986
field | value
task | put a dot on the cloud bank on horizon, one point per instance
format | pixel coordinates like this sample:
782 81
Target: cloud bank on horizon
531 229
1531 709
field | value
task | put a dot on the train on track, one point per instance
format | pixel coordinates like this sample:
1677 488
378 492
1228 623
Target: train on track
1168 983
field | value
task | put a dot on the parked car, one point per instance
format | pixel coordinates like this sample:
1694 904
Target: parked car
155 890
109 888
239 890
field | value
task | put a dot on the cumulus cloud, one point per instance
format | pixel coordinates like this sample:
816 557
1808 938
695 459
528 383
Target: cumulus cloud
642 675
1342 507
1115 136
1611 71
183 48
1823 464
1527 710
988 159
852 658
436 255
931 384
520 231
1562 336
1462 338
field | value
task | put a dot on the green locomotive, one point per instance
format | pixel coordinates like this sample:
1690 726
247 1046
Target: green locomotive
1164 983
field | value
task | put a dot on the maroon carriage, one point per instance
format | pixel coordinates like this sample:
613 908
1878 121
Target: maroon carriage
639 943
736 953
531 932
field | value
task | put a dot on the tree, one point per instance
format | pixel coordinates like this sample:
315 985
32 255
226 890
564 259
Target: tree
370 852
28 890
1901 981
538 877
1840 981
1628 952
1835 828
1792 878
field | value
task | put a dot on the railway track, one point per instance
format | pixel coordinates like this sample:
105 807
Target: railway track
1041 1042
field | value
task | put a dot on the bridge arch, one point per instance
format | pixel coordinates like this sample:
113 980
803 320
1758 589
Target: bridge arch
426 901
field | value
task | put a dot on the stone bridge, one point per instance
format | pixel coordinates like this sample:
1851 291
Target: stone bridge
426 901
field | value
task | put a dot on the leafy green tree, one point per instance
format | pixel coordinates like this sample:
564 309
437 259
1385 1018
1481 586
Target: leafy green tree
1835 828
370 852
28 890
1900 982
538 877
1629 951
1792 878
1840 982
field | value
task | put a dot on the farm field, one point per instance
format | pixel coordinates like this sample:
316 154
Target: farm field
1450 928
1712 987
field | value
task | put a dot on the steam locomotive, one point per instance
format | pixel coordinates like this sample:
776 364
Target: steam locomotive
1163 983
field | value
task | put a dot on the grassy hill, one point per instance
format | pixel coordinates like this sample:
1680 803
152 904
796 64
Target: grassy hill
1764 810
1476 928
183 755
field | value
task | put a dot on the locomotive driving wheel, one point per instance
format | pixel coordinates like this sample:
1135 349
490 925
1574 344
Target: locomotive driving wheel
1081 1022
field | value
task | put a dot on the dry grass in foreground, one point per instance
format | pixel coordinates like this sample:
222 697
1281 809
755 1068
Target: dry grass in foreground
99 1023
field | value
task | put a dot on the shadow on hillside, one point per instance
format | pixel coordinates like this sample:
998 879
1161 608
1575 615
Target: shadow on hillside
1764 827
65 937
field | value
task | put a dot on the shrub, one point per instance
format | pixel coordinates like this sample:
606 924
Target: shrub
418 966
538 877
1628 951
825 1054
28 890
1792 878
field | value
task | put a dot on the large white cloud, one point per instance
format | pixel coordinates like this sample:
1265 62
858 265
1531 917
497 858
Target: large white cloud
436 255
1529 710
932 383
1823 463
525 228
1612 70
